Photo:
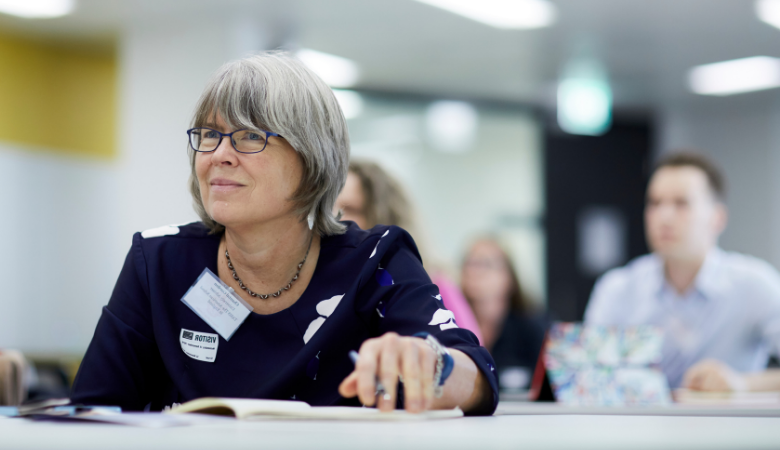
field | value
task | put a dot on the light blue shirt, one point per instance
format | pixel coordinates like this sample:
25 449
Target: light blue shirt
731 313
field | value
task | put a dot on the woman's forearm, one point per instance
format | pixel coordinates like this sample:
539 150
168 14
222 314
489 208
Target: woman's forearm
466 387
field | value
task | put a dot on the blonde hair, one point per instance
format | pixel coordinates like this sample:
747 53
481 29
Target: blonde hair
386 202
519 303
276 92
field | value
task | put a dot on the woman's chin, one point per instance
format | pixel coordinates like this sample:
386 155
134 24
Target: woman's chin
234 219
224 216
233 215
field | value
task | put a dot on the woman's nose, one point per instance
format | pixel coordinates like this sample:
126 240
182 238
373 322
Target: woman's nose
224 153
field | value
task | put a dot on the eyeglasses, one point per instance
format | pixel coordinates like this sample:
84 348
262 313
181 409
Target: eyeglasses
492 264
244 141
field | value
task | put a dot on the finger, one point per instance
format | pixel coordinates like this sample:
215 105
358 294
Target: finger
694 382
388 370
689 378
708 382
366 368
714 381
410 368
348 387
693 377
427 369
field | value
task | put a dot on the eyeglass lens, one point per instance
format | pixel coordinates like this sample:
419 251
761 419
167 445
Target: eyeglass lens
245 141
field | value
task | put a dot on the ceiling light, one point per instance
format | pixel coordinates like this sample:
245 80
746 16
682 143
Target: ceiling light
37 9
735 76
584 99
506 14
768 11
351 103
451 126
334 70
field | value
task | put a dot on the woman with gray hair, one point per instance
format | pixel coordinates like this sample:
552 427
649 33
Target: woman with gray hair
268 294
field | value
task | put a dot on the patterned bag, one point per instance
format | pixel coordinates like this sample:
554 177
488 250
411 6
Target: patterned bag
606 366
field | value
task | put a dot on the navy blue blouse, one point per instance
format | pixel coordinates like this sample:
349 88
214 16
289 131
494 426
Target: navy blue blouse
375 279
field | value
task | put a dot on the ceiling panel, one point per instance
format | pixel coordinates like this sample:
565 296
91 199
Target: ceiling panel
406 46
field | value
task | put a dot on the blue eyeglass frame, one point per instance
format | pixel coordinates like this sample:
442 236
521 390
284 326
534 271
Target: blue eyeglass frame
229 135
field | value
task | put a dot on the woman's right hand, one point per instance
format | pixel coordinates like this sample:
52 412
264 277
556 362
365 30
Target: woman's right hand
387 358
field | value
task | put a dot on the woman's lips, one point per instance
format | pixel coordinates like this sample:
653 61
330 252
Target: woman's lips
224 185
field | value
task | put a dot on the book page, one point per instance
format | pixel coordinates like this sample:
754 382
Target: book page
239 407
356 413
254 409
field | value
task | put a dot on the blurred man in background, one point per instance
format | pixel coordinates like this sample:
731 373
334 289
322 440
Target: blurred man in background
720 311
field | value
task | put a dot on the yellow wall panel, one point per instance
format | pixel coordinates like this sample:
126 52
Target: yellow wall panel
58 99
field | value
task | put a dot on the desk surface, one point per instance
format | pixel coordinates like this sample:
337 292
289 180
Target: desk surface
510 431
538 409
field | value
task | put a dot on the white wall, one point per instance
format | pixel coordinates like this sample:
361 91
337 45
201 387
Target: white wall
62 248
495 186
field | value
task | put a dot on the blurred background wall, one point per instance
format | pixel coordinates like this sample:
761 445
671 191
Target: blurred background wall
472 116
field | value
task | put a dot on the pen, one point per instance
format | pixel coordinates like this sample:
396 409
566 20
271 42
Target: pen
380 388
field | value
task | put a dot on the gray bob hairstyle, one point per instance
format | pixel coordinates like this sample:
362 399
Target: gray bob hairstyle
276 92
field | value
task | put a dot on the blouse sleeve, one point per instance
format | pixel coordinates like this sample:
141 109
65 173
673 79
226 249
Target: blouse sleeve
409 303
122 363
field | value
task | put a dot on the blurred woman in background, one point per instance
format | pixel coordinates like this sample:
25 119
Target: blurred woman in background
512 329
372 197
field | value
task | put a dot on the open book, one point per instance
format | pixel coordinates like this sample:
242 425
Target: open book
252 409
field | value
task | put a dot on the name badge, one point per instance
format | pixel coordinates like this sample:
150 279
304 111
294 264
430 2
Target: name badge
200 346
217 304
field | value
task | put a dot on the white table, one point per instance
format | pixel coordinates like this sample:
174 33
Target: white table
734 410
509 431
